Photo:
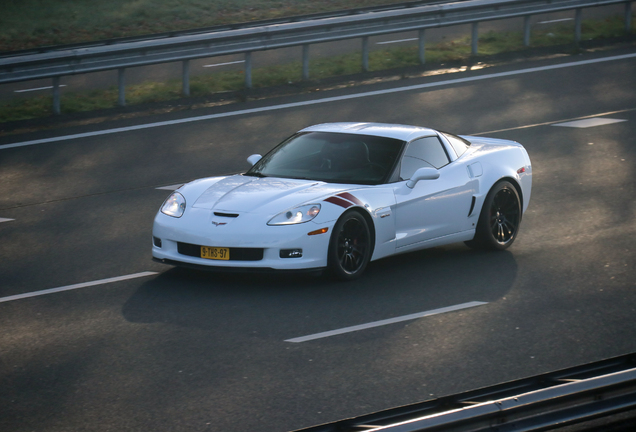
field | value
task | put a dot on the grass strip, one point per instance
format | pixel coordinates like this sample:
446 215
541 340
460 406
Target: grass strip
27 24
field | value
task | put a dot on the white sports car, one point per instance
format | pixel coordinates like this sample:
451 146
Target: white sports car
336 196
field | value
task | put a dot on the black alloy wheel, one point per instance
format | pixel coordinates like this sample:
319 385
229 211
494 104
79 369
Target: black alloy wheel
500 217
350 247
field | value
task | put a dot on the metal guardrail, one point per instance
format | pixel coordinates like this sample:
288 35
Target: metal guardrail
55 64
560 398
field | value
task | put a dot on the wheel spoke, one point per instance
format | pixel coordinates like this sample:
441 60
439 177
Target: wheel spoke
358 250
354 261
506 232
347 262
510 226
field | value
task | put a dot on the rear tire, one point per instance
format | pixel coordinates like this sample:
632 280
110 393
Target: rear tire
499 219
349 247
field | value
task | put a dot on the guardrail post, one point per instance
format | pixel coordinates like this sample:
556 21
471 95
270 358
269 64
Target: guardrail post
526 31
122 86
577 25
56 95
475 39
628 17
248 70
186 77
365 53
306 61
421 49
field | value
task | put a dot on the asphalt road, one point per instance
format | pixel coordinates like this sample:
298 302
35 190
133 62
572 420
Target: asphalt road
177 350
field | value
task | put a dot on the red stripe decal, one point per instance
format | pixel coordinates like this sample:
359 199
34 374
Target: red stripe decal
348 196
339 201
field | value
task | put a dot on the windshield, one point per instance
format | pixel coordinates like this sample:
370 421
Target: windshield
331 157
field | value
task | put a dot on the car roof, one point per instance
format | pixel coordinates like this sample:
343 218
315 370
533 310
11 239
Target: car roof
396 131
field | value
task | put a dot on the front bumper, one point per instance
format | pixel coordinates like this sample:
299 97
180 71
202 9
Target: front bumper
220 269
245 233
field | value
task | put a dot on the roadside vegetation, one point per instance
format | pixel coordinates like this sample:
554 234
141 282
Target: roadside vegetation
214 83
29 24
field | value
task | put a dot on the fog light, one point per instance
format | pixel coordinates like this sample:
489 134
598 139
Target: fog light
291 253
156 241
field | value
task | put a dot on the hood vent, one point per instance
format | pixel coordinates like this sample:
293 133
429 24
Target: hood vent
227 215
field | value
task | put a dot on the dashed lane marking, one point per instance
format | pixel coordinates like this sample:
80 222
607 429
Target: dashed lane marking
76 286
386 322
5 220
550 123
589 122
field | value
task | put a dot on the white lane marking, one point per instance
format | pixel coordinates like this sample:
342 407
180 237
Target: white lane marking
36 89
5 220
590 122
550 123
396 41
555 21
223 64
76 286
173 187
386 322
318 101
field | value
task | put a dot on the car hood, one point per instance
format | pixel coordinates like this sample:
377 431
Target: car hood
251 194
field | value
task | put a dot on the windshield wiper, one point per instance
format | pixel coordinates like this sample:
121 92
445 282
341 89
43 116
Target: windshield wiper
255 174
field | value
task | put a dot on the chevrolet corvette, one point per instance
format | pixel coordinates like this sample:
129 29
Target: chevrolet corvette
337 196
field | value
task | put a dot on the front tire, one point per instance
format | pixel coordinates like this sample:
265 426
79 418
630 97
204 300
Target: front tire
349 247
499 219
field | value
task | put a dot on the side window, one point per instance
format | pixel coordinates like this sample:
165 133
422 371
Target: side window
460 145
423 152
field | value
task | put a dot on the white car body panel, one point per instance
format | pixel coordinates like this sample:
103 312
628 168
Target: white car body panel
234 211
434 208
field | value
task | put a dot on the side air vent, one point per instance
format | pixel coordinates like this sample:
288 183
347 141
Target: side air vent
472 206
227 215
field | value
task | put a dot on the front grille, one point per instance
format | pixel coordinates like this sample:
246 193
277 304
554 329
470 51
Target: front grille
236 254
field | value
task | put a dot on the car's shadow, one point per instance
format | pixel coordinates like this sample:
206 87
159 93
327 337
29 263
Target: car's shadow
272 303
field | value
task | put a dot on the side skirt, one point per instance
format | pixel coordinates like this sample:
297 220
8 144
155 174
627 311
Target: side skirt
439 241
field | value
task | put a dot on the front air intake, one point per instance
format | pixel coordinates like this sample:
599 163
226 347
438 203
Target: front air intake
227 215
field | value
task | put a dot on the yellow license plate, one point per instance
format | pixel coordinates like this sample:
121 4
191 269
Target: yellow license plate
215 253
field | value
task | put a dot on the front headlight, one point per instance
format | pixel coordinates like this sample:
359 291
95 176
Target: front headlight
174 206
296 215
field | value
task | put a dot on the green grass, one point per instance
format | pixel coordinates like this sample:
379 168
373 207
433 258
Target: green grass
35 23
205 85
